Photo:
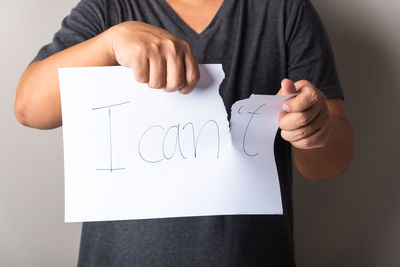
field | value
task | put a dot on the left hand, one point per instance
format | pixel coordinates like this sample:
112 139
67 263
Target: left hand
305 122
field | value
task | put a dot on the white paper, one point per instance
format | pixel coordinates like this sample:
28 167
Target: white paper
132 152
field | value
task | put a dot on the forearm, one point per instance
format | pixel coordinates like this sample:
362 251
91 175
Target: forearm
159 59
37 102
330 160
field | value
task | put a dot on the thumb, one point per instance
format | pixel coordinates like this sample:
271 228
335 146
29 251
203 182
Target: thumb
287 87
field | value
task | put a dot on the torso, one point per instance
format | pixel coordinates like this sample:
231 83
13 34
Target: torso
252 39
246 37
204 11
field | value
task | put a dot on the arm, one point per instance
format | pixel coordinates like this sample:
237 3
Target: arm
333 158
158 58
317 128
37 102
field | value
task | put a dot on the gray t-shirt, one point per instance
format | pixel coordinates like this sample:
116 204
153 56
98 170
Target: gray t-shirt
258 42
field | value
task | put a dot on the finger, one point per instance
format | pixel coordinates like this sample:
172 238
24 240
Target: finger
175 73
141 68
287 87
157 72
316 140
306 131
295 120
308 96
192 73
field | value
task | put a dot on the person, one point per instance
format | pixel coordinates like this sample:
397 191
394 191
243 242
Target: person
265 47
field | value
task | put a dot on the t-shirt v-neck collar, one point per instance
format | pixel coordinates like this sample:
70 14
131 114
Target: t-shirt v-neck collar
186 28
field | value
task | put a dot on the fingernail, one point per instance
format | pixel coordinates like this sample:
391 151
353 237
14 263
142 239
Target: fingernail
285 107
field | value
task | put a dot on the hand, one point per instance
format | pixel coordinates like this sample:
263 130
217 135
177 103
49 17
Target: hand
306 122
156 56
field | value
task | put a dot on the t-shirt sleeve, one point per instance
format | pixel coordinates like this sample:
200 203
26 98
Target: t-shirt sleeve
85 21
309 53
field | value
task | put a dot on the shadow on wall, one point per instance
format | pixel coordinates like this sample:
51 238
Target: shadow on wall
354 219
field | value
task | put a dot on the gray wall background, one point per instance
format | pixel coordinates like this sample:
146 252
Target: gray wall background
352 220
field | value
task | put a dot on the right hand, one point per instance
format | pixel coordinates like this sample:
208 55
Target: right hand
157 57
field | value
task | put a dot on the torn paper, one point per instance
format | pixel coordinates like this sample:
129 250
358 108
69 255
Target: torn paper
132 152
